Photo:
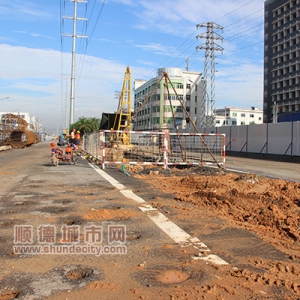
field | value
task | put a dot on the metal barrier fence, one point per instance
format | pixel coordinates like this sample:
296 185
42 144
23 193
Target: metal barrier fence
155 148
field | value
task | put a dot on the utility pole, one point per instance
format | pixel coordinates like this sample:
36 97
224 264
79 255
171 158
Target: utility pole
74 36
208 106
65 96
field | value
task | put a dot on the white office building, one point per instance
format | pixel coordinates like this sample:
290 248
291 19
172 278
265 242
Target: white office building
159 108
231 116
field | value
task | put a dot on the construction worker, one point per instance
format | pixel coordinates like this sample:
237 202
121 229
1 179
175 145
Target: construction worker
72 136
77 138
68 150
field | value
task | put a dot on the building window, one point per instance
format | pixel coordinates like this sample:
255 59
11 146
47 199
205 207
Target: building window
195 110
243 115
187 109
234 114
251 116
195 98
188 85
243 123
188 97
233 122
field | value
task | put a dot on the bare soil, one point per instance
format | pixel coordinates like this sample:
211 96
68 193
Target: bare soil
268 207
250 221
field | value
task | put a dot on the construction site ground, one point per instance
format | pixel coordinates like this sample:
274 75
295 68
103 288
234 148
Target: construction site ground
191 233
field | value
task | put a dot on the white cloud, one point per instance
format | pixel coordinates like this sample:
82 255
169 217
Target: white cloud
156 48
33 80
19 9
153 31
239 85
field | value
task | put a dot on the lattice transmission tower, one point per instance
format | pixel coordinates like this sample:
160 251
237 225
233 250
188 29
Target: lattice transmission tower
74 35
208 105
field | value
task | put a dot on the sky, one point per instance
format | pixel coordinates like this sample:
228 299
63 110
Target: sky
36 52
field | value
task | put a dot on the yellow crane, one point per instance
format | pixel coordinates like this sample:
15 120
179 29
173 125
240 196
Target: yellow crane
123 118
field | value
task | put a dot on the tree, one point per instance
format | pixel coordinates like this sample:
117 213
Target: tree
95 124
86 125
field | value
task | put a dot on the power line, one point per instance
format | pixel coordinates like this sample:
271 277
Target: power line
227 26
174 52
182 52
251 45
186 40
234 10
233 37
92 10
97 20
78 60
87 44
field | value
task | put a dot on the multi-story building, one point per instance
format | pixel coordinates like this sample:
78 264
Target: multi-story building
230 116
159 108
281 60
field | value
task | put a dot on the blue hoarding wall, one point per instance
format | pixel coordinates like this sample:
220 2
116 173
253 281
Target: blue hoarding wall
289 117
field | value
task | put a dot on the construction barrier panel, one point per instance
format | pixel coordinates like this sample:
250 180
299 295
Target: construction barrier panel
112 147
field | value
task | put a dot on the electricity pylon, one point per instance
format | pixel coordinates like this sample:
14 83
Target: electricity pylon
207 114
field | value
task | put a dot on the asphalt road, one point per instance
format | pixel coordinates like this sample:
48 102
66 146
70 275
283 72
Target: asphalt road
165 256
276 169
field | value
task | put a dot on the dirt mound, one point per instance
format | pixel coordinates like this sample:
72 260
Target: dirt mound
268 207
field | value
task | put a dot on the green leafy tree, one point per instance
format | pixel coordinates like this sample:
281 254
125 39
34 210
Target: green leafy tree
95 124
86 125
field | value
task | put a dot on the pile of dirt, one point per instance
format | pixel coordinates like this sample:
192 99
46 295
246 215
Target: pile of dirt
175 170
268 207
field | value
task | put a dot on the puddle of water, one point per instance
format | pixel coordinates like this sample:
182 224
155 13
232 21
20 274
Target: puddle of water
172 276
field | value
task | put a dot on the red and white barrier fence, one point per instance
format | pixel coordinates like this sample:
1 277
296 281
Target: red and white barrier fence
110 147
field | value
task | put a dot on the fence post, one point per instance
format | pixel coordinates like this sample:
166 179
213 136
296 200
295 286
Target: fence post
102 133
292 138
97 146
166 149
224 149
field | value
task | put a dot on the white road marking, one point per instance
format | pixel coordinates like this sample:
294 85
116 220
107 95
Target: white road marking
177 234
131 195
110 179
211 258
147 208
